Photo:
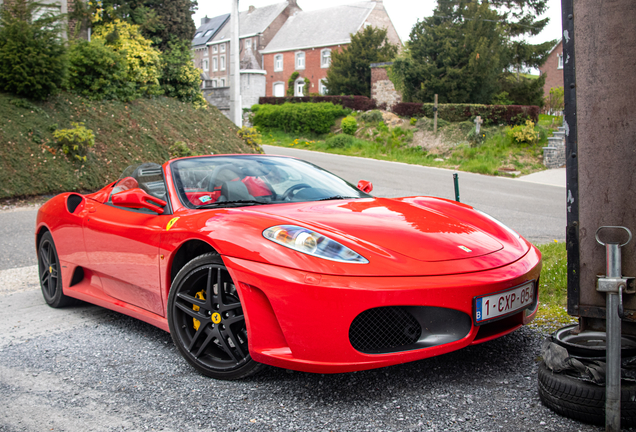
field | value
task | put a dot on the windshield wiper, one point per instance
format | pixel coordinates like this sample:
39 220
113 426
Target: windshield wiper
222 203
337 197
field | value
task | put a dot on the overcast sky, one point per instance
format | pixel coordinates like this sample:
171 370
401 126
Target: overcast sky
403 13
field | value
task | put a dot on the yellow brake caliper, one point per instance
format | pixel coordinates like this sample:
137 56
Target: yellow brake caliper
201 296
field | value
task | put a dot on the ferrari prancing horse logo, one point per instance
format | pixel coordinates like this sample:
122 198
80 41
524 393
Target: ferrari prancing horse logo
171 222
216 317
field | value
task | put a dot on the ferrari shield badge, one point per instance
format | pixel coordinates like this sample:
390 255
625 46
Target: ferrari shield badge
171 222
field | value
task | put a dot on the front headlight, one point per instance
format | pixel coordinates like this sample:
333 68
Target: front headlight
501 224
311 243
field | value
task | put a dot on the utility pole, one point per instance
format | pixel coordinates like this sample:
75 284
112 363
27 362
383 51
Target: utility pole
236 109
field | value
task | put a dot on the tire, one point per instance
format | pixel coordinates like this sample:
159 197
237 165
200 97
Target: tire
582 400
207 323
49 270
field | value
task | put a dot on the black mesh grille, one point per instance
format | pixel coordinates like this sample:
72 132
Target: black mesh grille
384 329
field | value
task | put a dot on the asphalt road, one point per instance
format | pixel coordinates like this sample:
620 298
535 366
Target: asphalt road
87 368
536 211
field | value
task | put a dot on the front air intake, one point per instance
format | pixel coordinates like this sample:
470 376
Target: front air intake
384 329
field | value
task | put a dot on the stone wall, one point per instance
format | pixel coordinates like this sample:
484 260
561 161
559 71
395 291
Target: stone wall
554 153
218 96
383 91
252 87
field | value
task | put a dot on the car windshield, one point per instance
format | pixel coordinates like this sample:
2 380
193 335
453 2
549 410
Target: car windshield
224 181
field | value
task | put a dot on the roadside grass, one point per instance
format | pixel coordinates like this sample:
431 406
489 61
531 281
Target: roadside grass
31 163
550 121
494 153
553 289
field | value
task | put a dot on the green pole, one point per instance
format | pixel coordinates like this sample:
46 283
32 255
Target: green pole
456 181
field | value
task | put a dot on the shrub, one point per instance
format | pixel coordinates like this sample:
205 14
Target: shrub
413 121
179 78
252 137
180 149
524 134
491 114
76 141
32 54
349 125
340 141
142 60
299 117
97 72
291 82
357 103
373 116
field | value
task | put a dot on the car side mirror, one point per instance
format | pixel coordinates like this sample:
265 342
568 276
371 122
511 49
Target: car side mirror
138 198
365 186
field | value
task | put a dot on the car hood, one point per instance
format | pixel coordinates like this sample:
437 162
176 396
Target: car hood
412 230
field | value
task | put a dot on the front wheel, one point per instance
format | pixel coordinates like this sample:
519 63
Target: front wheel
206 320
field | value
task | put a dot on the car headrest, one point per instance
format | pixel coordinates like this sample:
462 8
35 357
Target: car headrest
235 191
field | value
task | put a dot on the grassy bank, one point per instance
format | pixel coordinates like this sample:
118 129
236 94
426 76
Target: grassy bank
456 146
125 133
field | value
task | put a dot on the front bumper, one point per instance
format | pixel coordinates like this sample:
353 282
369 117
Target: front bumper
299 320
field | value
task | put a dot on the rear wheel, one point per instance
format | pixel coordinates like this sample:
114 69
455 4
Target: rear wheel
206 320
50 274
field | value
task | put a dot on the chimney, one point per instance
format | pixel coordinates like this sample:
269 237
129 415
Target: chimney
292 3
205 20
251 9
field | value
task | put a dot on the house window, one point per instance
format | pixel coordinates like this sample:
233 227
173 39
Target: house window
278 63
560 64
222 62
197 34
279 89
214 83
208 33
247 43
323 88
299 87
206 65
215 49
300 60
205 53
215 63
222 48
325 58
222 82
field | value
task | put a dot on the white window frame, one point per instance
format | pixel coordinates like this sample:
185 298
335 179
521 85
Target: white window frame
322 58
282 84
205 53
299 87
215 49
215 64
215 83
222 48
247 43
222 82
222 64
560 61
300 60
322 88
276 58
206 64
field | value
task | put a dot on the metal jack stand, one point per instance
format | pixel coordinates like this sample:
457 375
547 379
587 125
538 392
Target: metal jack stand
614 285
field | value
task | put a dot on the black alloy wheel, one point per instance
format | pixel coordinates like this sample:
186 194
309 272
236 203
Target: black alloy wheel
206 320
50 275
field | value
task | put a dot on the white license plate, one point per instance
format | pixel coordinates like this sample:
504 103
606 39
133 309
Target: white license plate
503 303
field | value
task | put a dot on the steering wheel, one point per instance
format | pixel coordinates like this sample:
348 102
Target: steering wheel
289 192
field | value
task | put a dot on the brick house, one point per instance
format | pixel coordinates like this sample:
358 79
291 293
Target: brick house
305 43
257 26
553 69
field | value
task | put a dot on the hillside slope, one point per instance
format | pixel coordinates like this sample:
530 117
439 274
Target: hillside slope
125 133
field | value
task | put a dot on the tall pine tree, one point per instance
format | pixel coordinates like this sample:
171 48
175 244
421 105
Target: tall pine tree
349 73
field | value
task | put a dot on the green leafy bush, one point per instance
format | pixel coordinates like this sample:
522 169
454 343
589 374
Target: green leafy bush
524 134
180 149
349 125
373 116
491 114
75 142
97 72
180 79
298 117
32 53
252 137
340 141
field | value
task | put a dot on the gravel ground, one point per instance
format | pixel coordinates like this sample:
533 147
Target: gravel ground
111 372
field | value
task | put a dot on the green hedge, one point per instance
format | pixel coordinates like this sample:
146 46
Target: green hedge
491 114
298 117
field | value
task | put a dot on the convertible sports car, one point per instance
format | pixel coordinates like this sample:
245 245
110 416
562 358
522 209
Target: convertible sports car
254 259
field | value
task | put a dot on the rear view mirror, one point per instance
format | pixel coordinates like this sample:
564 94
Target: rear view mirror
365 186
138 198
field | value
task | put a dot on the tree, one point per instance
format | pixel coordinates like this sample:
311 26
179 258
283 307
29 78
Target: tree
32 53
180 79
159 20
467 50
349 73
